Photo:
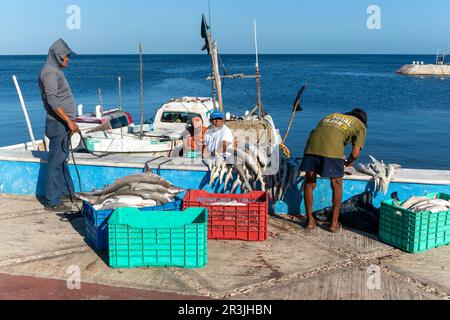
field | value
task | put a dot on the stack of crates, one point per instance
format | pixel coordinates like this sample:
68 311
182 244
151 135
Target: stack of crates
233 217
414 232
96 222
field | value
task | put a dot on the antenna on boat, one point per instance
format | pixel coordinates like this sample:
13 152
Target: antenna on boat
100 99
141 90
120 94
258 74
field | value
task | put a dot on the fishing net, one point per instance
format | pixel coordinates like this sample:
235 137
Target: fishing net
256 132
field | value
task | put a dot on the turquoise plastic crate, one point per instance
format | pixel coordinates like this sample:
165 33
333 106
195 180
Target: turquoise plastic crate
414 232
158 239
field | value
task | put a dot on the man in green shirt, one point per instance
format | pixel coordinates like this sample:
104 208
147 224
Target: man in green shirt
325 156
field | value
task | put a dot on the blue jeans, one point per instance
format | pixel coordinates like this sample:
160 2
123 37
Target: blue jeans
59 182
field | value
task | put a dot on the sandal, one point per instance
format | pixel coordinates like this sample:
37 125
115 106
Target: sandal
337 230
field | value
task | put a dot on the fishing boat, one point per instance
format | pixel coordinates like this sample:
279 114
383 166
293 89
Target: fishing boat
163 134
160 136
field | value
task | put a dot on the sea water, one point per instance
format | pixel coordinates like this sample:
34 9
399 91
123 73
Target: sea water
409 117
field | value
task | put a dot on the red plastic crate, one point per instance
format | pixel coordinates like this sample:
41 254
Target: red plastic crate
232 222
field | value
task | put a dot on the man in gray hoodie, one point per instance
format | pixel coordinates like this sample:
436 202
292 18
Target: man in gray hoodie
60 106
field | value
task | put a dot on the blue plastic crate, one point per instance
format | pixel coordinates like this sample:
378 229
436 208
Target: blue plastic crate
96 222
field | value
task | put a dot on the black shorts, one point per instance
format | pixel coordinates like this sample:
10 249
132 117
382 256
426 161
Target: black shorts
325 167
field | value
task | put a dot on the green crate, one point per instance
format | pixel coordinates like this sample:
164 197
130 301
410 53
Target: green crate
414 232
158 239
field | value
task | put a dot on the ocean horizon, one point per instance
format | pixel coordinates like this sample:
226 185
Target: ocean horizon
409 117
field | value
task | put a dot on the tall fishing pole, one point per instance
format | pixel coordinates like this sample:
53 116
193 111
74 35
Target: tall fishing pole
258 74
141 91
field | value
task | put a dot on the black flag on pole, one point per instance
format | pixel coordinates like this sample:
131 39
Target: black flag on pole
297 105
204 33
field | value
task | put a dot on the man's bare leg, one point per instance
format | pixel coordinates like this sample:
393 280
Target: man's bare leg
310 185
336 185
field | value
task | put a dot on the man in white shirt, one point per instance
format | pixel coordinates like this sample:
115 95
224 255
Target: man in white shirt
218 137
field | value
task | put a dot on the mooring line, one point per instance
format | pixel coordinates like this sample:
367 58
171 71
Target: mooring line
43 256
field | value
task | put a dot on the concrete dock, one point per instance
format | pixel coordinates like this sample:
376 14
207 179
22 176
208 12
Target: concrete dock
38 249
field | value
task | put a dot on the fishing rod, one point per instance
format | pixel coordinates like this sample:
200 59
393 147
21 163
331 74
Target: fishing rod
141 91
297 108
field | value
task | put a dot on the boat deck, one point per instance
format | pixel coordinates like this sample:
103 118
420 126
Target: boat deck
37 248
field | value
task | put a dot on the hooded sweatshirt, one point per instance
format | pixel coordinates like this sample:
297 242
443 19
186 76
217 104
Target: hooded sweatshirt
55 89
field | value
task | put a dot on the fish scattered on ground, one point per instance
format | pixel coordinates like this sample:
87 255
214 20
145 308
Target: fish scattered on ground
137 191
382 175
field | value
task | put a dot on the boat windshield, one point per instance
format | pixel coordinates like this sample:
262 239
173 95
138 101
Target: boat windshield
179 117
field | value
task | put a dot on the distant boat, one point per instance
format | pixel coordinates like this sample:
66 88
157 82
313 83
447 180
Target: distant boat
440 68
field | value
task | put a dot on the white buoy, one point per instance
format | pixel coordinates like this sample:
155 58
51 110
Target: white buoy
80 110
98 112
422 63
414 62
25 112
228 116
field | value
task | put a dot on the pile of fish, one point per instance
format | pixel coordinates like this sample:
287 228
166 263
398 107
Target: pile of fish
382 174
136 191
424 204
246 168
285 179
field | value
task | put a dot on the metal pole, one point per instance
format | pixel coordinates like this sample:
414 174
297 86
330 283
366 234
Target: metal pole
25 112
141 91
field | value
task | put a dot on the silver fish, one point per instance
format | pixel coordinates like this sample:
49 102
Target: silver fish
249 161
115 205
258 154
228 178
214 174
240 170
131 201
127 181
236 184
223 172
412 201
156 188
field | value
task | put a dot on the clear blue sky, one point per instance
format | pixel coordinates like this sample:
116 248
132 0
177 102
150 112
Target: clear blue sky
173 26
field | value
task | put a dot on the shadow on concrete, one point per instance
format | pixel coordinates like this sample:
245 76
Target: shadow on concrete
42 176
77 220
